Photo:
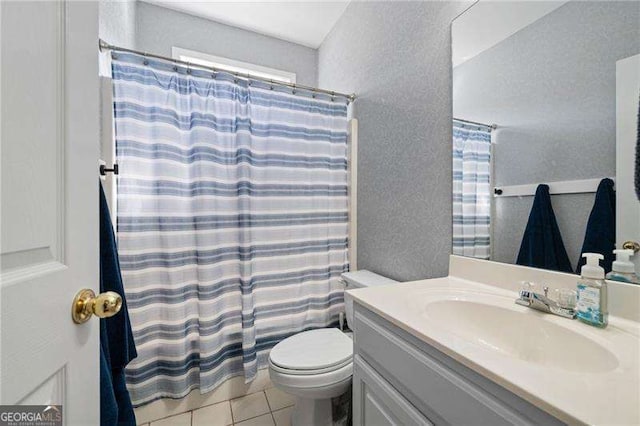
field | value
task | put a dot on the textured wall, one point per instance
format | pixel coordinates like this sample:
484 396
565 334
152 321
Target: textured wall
160 29
117 22
551 89
397 57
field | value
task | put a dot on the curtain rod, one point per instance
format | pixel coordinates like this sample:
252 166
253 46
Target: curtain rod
103 45
491 126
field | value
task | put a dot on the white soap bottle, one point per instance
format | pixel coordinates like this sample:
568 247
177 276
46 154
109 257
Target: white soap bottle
622 268
591 307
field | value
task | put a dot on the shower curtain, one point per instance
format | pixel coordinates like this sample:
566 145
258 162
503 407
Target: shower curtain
471 191
232 220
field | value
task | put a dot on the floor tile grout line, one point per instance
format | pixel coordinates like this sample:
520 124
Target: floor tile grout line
249 418
215 403
269 405
233 418
254 417
265 397
163 418
286 406
229 402
280 409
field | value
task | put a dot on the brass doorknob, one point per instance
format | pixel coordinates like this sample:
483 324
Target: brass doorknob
631 245
86 303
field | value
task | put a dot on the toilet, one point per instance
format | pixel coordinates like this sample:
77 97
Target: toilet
317 365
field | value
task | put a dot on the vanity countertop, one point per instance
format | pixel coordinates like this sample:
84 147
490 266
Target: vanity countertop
578 385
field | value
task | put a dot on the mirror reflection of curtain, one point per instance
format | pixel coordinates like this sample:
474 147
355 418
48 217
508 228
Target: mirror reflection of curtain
471 191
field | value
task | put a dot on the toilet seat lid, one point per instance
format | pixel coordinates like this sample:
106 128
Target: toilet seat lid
313 350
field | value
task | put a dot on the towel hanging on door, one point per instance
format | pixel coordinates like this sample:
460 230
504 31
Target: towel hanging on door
637 179
542 245
117 347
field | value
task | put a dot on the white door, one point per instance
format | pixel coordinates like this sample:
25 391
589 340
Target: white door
49 205
627 204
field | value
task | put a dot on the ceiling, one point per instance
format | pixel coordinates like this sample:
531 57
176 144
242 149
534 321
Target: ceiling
298 21
487 23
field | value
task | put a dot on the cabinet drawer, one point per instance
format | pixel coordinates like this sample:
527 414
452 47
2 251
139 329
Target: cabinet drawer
378 403
442 389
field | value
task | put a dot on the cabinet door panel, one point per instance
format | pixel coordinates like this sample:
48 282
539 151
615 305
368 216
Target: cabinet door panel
377 403
440 388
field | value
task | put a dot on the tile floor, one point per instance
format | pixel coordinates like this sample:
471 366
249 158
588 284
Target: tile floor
270 407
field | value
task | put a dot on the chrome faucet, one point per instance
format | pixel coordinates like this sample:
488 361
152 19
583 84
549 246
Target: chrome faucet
543 303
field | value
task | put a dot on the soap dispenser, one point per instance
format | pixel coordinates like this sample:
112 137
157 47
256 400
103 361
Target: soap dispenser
592 301
622 269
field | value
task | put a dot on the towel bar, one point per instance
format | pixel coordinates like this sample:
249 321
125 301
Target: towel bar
560 187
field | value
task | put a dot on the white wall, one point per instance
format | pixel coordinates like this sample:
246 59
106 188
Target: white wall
159 29
117 22
156 29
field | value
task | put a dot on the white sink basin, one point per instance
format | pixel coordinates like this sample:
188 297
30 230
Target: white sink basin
519 332
557 364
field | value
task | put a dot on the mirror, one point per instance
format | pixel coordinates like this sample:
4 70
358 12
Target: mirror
534 102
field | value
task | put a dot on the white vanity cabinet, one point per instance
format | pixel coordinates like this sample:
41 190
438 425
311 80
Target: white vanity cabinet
400 380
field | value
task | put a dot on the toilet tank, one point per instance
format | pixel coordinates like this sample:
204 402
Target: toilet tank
359 279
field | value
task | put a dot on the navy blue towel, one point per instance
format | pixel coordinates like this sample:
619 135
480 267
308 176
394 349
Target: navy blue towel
600 236
117 347
637 178
542 245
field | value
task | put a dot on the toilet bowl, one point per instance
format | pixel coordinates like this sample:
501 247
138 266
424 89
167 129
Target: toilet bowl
317 365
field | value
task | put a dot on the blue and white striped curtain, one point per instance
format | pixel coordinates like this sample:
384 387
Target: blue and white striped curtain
471 191
232 220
